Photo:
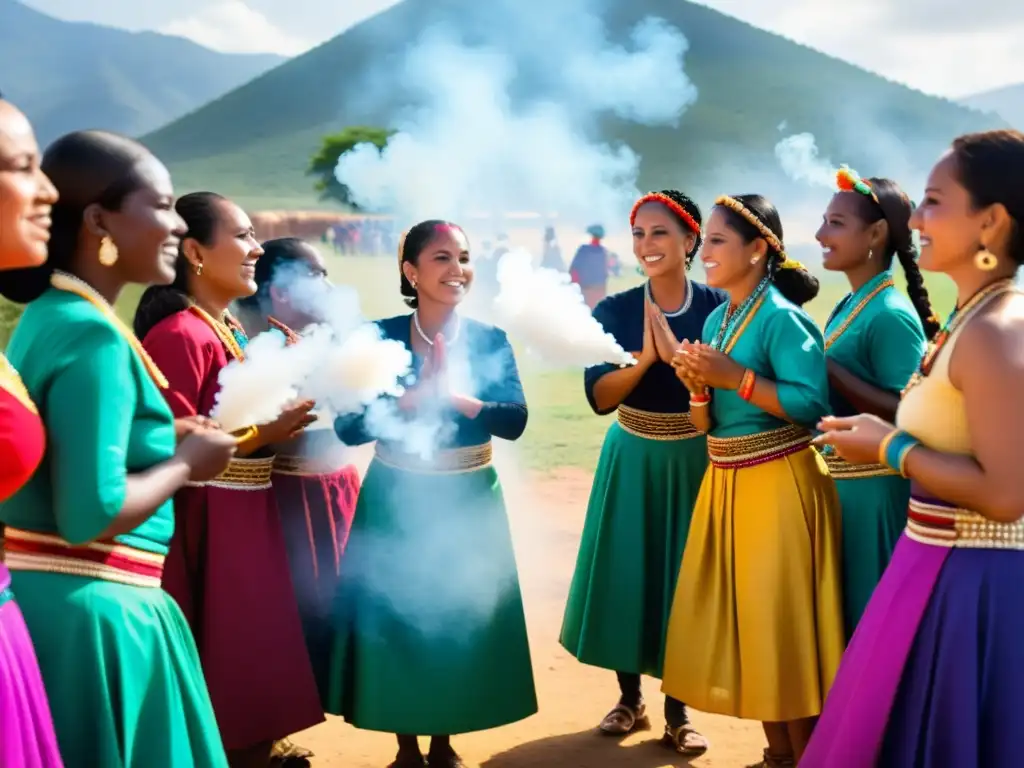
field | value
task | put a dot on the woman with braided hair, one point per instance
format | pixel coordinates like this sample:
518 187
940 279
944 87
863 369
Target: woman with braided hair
874 339
647 477
756 630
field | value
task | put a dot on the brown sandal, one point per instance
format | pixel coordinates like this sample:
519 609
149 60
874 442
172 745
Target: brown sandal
285 754
685 740
623 720
773 761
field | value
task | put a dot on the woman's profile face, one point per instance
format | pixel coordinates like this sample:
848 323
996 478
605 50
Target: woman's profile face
26 194
229 261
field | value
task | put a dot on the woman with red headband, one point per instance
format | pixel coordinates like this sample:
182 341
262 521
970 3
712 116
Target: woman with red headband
650 468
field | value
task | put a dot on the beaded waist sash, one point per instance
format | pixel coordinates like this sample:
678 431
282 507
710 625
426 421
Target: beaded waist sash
656 426
243 475
302 466
109 561
930 521
841 469
442 461
758 448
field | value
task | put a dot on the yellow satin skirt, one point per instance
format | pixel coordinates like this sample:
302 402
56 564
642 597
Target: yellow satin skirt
756 629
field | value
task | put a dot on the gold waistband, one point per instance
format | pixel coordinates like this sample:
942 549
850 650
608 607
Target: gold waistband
841 469
449 460
758 448
943 526
303 466
656 426
243 475
107 561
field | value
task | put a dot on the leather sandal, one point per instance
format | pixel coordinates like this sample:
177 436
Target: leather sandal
768 760
685 740
622 720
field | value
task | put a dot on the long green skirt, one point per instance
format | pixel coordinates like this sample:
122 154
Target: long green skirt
632 545
431 632
122 674
874 516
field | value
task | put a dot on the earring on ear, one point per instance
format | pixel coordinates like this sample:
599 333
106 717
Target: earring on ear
108 252
413 284
985 260
199 269
755 260
871 254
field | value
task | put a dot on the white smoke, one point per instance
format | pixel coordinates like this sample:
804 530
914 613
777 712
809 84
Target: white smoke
798 156
543 310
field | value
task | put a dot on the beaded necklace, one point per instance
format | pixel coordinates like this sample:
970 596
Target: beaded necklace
734 323
886 281
956 318
686 302
63 281
229 331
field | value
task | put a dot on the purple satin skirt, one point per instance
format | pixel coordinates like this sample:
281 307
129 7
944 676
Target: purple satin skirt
26 730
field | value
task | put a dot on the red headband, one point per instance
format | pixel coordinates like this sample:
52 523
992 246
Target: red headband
668 202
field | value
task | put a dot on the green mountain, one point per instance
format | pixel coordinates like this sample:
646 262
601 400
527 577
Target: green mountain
72 75
754 89
1007 103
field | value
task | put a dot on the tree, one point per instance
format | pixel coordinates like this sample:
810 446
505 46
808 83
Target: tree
325 161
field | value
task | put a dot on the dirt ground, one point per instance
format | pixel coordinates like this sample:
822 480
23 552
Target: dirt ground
546 514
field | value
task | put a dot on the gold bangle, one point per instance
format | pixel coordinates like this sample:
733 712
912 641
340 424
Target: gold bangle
903 459
884 446
245 434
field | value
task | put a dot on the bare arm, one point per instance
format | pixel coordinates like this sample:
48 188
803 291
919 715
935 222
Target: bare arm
614 387
864 397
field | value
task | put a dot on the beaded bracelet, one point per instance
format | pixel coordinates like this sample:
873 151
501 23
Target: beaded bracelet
700 400
894 450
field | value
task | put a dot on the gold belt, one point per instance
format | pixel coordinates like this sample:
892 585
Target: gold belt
944 526
656 426
243 475
442 461
302 466
758 448
105 560
841 469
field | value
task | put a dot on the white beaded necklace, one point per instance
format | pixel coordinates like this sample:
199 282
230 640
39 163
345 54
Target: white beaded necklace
419 329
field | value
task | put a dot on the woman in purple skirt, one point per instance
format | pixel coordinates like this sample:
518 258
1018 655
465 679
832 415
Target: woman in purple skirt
26 196
934 674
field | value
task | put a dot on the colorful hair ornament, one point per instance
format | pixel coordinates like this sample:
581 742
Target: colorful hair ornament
788 263
672 205
848 180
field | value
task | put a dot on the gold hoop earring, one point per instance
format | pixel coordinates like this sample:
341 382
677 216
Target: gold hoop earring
985 260
108 252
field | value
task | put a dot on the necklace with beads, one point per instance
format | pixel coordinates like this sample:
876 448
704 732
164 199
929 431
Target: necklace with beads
228 330
734 323
427 339
886 282
686 302
956 318
64 281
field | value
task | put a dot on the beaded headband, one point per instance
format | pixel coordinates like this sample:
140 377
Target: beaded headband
672 205
848 180
734 205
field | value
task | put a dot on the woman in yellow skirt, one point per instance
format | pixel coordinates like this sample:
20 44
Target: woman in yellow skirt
756 629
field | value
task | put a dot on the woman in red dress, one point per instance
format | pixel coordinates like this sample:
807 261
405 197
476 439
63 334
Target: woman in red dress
316 488
27 739
228 566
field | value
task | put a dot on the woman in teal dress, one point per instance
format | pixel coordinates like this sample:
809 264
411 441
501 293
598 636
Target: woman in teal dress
87 535
874 339
648 474
756 630
431 631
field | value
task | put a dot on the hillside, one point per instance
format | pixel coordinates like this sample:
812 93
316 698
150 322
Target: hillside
254 142
72 75
1006 102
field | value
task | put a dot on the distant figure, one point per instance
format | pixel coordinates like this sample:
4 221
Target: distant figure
551 256
486 279
589 268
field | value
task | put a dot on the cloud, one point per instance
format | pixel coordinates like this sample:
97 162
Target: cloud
232 26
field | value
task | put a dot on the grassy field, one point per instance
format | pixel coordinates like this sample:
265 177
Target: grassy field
562 431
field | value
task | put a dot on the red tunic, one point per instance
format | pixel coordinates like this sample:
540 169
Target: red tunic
228 569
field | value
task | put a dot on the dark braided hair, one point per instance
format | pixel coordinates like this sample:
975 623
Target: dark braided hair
990 165
411 246
688 205
797 285
201 213
896 208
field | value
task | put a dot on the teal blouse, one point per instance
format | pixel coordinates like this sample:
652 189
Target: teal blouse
105 419
882 345
781 343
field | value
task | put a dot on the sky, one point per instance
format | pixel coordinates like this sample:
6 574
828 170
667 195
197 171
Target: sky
931 45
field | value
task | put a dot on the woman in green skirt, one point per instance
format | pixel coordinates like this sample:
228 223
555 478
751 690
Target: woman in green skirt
86 537
874 340
431 632
649 472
